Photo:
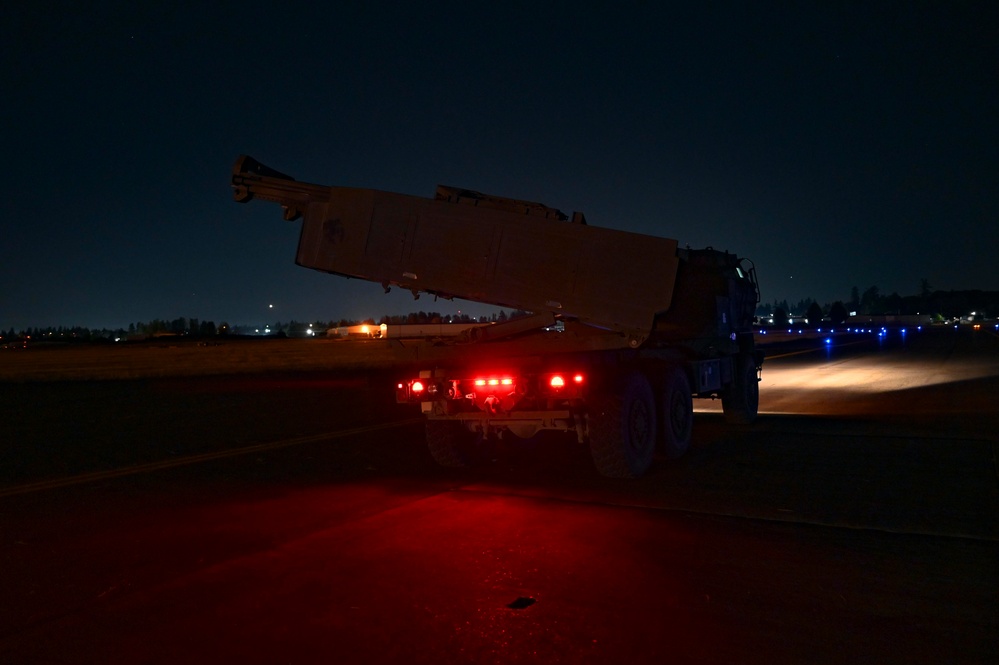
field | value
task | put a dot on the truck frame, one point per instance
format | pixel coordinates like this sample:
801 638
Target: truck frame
624 330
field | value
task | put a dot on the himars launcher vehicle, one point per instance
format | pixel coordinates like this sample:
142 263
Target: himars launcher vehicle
625 328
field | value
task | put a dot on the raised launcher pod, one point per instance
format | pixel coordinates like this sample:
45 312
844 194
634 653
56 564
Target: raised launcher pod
465 244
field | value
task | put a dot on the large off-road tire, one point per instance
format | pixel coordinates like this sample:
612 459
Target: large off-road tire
622 429
677 414
741 401
451 444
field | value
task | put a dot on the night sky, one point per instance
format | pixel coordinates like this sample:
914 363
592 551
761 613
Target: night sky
835 144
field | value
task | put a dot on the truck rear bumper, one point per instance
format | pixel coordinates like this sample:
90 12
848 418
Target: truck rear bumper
521 423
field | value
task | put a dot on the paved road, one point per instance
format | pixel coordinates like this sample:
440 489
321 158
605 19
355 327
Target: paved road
297 518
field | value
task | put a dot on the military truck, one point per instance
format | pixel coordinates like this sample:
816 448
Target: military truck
624 328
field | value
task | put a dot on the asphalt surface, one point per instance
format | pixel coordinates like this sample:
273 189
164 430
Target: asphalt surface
297 518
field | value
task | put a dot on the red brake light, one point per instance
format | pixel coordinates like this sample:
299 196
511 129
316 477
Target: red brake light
564 386
417 386
506 381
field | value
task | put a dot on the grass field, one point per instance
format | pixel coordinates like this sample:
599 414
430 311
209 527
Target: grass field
87 362
176 357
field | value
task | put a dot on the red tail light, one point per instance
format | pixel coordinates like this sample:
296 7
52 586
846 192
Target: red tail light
563 385
415 390
494 381
508 390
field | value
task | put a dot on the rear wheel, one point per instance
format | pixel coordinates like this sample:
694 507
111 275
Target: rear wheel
622 429
678 414
451 444
741 401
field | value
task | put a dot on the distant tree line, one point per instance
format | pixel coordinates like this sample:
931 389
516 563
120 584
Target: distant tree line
939 304
181 326
437 317
870 302
196 329
65 334
155 328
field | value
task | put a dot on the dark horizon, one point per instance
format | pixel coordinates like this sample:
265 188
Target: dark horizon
941 304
